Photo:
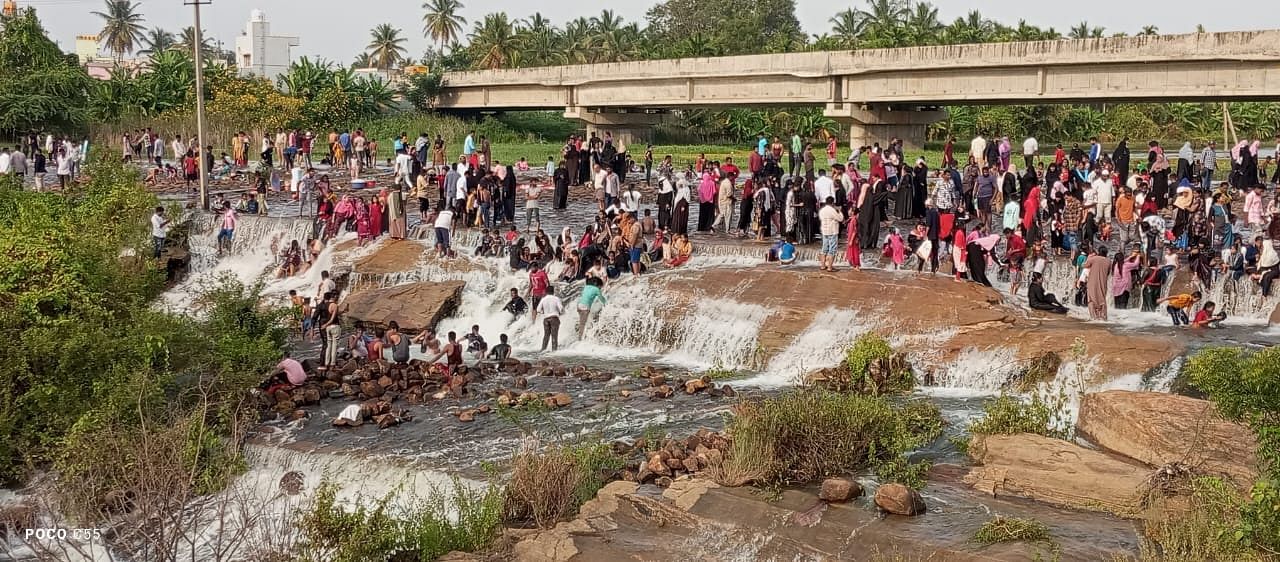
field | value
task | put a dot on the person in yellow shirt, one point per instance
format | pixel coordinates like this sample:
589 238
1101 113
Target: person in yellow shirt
1178 305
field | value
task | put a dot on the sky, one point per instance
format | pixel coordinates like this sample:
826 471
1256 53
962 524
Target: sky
338 29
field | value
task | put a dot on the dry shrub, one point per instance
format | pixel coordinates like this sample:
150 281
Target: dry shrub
549 486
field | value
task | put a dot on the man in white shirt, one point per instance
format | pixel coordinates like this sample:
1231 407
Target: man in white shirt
829 218
179 149
551 168
532 211
444 223
549 309
612 187
631 200
978 150
5 160
159 229
1029 149
823 187
402 168
327 284
157 151
1103 193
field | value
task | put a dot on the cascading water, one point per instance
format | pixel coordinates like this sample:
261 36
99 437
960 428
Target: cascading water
821 344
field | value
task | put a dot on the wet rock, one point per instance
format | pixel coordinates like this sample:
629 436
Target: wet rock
291 483
386 381
282 396
625 394
899 500
695 386
330 385
521 368
601 376
839 490
562 399
504 400
295 415
663 391
520 383
483 409
1158 428
657 380
663 481
311 395
285 406
691 464
371 389
728 391
657 466
675 464
467 416
413 306
348 368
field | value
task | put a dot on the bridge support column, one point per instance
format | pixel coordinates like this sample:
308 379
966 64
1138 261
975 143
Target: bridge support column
629 128
881 124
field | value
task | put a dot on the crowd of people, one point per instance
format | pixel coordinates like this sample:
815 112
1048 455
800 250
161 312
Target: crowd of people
57 155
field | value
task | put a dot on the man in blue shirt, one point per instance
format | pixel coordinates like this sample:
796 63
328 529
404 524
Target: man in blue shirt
761 144
345 140
787 253
1095 151
469 145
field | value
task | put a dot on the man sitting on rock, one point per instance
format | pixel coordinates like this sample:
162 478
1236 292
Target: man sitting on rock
502 351
287 374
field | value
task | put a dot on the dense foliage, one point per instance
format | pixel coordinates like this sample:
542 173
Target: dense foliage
84 355
40 87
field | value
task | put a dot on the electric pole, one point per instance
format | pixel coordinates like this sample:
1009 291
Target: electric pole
199 62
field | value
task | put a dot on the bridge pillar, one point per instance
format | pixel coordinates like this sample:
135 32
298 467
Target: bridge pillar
629 128
881 124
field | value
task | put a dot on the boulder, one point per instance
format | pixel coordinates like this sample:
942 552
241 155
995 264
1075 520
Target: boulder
839 490
1056 472
292 482
899 500
663 391
1157 428
561 399
694 386
657 380
414 306
656 465
467 416
371 389
728 391
520 383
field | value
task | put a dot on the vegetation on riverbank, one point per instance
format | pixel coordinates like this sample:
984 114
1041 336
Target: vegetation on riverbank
1007 529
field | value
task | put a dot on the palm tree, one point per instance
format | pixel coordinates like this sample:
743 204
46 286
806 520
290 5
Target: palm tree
1083 31
1149 30
364 60
122 26
187 43
157 40
442 22
495 42
385 46
536 22
882 19
542 45
846 25
1199 28
922 26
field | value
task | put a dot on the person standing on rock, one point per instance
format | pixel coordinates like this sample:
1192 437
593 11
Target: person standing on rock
590 294
551 308
1099 268
331 327
829 219
539 287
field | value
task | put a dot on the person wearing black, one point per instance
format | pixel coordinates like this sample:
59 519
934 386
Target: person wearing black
560 199
977 261
1120 159
1040 300
869 215
921 186
933 226
509 195
666 200
806 214
516 306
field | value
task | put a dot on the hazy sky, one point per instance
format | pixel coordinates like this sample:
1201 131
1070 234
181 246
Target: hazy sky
337 30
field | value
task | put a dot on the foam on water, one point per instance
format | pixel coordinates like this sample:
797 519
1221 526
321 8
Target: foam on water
821 344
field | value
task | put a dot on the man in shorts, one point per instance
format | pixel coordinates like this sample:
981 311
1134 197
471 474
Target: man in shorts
228 230
830 218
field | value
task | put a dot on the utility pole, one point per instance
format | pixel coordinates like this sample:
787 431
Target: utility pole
199 62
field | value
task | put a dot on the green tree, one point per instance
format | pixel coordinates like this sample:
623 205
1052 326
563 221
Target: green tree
157 40
121 26
735 26
1149 30
1083 31
442 22
881 22
386 46
494 42
41 88
187 43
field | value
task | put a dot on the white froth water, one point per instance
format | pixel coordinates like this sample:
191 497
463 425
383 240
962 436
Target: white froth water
975 372
1162 377
821 344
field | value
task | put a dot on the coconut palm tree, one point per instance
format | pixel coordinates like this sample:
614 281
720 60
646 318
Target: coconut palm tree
542 45
846 26
122 26
386 46
442 22
157 40
187 43
495 42
364 60
922 26
1083 31
882 18
1149 30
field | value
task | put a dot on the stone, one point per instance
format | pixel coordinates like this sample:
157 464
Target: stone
371 389
899 499
467 416
414 306
839 490
675 464
727 391
282 396
520 383
562 399
386 382
504 400
285 407
1158 429
695 386
657 380
691 464
483 409
348 368
625 394
663 391
1057 472
663 482
292 482
311 395
657 466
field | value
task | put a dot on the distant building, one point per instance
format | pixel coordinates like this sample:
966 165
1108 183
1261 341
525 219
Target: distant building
10 8
87 48
259 53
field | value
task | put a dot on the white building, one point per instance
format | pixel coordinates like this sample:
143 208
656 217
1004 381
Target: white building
259 53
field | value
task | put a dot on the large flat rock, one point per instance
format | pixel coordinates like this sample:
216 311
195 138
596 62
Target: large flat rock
1057 472
414 306
1157 429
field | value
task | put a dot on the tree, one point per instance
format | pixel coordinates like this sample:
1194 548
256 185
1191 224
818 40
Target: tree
1149 30
157 40
881 21
41 89
1083 31
735 26
122 26
494 42
442 22
187 43
846 26
386 46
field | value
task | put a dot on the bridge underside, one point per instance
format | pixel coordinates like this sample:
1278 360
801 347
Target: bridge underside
872 103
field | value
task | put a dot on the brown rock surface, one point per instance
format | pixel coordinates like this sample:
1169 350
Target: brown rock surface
899 499
413 306
839 490
392 256
1158 428
1056 472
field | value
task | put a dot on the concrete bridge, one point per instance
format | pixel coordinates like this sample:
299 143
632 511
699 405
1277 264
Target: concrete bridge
883 93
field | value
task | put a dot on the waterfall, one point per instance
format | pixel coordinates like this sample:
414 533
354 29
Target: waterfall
821 344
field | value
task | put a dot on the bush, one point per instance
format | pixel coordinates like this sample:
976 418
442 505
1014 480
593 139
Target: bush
1007 529
806 435
458 519
549 486
1007 415
1243 386
870 367
867 349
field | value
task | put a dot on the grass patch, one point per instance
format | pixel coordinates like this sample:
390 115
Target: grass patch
461 518
550 485
808 434
719 372
870 367
1010 529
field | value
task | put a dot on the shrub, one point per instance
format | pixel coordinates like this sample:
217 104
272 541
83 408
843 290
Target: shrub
1006 415
1203 530
461 518
805 435
867 349
1243 387
548 486
1007 529
870 367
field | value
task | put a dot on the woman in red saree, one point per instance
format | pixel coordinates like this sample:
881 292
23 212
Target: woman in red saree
375 217
852 250
364 227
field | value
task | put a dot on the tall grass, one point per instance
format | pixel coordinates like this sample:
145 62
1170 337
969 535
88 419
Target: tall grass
550 485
